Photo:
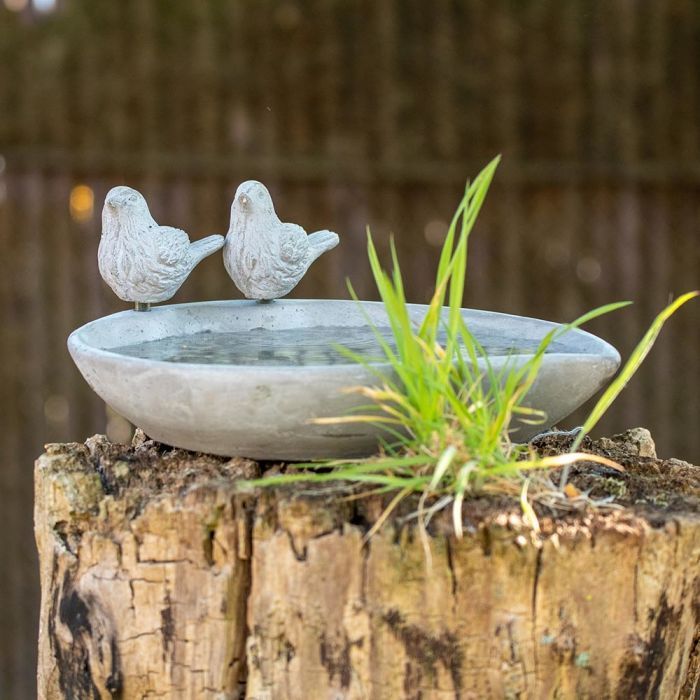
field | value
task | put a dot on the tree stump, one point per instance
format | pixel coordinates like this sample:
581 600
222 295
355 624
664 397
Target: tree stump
161 578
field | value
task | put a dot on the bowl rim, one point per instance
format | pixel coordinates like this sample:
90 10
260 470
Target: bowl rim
77 344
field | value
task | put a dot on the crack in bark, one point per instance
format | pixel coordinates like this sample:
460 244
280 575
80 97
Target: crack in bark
635 583
366 551
533 607
450 566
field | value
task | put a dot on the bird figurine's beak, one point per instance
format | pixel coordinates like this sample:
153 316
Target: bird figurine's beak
119 199
115 201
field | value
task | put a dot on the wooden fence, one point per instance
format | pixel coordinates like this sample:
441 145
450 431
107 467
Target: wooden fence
355 112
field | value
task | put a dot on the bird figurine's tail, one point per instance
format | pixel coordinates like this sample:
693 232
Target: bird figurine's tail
206 246
320 242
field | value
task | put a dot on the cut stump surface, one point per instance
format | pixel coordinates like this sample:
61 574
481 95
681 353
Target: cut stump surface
161 577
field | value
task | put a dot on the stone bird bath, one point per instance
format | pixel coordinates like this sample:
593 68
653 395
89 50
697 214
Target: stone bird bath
248 377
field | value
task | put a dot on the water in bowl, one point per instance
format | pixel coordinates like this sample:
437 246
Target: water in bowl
293 346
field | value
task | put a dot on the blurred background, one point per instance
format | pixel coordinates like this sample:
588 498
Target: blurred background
353 112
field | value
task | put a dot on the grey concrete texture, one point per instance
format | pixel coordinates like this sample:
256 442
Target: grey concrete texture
264 412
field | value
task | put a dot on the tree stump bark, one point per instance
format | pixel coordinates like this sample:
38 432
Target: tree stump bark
161 578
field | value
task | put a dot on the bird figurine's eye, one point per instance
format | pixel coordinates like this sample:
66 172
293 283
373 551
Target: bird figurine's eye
243 200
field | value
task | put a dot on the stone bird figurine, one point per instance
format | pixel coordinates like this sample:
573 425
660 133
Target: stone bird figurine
140 260
265 257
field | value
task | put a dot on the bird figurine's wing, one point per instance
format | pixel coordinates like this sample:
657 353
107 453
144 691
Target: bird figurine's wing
173 245
293 245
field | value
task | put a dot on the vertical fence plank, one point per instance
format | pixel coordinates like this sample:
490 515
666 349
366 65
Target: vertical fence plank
13 452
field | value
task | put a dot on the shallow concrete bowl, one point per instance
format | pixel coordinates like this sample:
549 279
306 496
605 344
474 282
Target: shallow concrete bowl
264 412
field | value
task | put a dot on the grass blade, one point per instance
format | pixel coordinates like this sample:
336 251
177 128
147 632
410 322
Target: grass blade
631 366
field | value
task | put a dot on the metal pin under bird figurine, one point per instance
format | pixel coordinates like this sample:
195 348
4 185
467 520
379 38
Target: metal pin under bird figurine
247 377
